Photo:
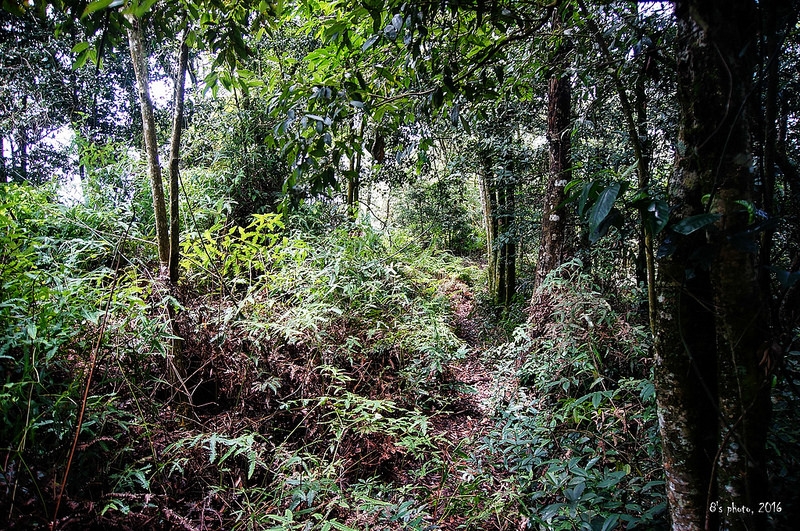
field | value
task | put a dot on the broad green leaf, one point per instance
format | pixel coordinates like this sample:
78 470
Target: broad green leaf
89 54
657 216
550 511
586 193
693 223
603 205
613 219
610 523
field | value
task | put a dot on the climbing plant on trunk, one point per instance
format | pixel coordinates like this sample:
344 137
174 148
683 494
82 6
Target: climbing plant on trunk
711 365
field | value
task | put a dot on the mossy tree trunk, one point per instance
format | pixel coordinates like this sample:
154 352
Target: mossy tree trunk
556 244
712 394
498 192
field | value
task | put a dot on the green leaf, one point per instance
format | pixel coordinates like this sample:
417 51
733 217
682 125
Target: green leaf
587 193
81 46
550 511
15 8
693 223
143 7
369 42
603 205
610 523
97 5
341 527
89 54
657 216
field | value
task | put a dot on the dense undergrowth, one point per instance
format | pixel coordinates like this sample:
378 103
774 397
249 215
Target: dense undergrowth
323 384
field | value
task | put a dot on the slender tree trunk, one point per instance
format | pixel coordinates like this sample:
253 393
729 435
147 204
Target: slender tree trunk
500 250
22 156
174 163
556 245
510 246
354 176
498 202
488 201
712 398
139 59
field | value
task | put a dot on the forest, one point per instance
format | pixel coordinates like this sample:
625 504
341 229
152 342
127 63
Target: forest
399 265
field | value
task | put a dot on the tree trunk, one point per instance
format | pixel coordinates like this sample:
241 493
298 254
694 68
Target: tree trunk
712 398
3 178
174 163
498 201
489 220
354 174
166 235
556 245
510 246
139 59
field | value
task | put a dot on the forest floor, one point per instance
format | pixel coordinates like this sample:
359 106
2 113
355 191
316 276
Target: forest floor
469 416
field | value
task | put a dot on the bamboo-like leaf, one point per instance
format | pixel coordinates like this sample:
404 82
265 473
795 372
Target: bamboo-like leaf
97 5
81 46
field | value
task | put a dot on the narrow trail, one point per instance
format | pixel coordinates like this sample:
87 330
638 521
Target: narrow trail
457 431
467 325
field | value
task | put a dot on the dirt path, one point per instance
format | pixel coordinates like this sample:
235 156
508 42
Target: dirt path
469 326
457 431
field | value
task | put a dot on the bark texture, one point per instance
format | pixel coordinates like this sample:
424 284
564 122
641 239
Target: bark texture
139 59
557 245
498 191
174 164
711 325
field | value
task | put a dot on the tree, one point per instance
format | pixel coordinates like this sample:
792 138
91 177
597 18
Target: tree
139 57
711 363
556 244
498 166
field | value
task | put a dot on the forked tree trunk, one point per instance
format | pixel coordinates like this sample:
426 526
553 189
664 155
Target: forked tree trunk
139 59
712 394
166 235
